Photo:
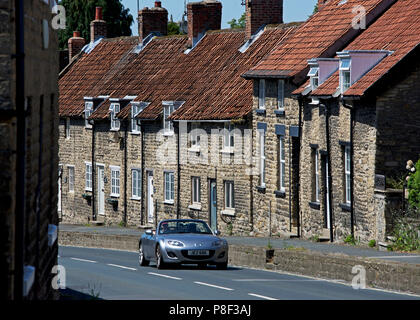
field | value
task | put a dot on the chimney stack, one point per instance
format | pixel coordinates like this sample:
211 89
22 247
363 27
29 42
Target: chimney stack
203 16
153 20
75 44
262 12
98 26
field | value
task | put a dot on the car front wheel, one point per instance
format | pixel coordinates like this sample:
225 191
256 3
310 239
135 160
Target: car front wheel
160 264
142 260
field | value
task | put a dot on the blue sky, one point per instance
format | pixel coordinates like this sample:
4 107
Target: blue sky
294 10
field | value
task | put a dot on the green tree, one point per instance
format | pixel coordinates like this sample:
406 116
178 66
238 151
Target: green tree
414 187
80 13
240 23
315 9
173 28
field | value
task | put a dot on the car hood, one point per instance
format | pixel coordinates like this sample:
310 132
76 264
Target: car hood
191 239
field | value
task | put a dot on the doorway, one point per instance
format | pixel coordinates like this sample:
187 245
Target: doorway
213 204
101 190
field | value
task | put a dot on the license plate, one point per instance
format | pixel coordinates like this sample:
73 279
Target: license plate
198 252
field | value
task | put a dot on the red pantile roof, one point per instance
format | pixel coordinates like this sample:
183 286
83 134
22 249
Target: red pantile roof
84 77
397 30
322 35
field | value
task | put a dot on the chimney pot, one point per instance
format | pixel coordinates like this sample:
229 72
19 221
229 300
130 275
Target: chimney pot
76 34
158 4
75 44
98 14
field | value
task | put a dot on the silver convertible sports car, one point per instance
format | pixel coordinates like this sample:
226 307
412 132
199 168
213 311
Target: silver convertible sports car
183 242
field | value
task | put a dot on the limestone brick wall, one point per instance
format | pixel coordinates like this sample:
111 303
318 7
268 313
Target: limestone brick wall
282 203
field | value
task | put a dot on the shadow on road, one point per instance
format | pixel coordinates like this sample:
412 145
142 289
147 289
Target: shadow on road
70 294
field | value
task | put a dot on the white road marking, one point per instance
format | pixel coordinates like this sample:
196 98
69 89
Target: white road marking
84 260
392 257
212 285
277 280
164 276
260 296
122 267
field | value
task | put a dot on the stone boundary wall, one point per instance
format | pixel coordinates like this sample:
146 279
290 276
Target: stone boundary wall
395 276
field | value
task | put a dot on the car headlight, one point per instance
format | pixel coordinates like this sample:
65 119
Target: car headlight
175 243
218 243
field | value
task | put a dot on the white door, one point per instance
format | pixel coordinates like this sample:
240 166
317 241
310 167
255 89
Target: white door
150 205
327 181
101 190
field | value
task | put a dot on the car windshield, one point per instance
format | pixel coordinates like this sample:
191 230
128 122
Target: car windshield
171 227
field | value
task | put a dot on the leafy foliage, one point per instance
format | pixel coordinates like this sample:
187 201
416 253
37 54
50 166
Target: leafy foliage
406 235
414 188
173 28
240 23
80 13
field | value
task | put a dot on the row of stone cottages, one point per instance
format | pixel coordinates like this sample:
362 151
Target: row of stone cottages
278 129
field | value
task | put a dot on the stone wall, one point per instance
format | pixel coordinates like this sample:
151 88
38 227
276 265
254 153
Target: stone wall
271 199
41 99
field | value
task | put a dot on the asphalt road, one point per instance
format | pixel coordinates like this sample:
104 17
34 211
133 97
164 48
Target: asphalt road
116 275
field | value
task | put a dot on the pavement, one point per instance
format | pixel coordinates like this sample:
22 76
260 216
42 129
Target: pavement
114 274
276 243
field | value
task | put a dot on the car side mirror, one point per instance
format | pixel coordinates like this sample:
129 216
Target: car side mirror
217 233
149 232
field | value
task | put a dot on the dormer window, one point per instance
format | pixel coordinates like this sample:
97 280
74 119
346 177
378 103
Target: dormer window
168 126
345 75
115 109
135 110
88 112
261 94
314 77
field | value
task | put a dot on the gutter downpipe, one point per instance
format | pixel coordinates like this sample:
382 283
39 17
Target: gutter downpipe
327 130
300 101
93 173
125 172
20 150
142 175
178 204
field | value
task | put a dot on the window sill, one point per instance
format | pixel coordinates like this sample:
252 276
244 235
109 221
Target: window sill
227 151
114 195
345 207
114 130
168 134
195 206
135 133
279 112
194 149
315 205
261 189
228 212
170 202
135 198
260 112
280 193
88 189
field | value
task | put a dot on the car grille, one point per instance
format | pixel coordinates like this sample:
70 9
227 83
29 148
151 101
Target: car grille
185 254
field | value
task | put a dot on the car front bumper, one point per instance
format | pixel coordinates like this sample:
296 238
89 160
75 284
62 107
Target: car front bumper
180 255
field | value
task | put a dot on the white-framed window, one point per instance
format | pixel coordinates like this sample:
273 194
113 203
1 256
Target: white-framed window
115 181
88 112
135 110
347 165
169 184
229 195
168 126
71 178
229 136
345 74
316 175
195 135
88 177
282 164
136 183
195 190
67 126
262 158
261 94
280 95
115 109
314 77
